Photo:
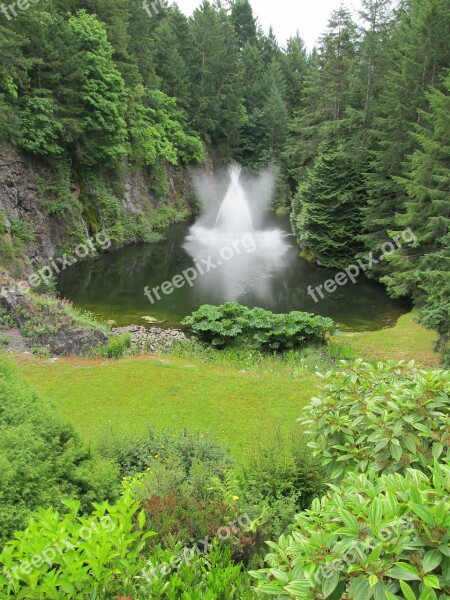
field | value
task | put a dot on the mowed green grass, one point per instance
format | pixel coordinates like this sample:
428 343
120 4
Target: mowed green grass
238 409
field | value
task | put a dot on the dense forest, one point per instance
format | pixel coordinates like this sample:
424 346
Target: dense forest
359 127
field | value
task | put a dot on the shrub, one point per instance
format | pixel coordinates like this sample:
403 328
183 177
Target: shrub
371 537
388 417
117 346
42 459
74 557
181 493
207 577
280 479
232 323
136 455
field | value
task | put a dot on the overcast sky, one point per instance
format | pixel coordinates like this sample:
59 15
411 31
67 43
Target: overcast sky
310 17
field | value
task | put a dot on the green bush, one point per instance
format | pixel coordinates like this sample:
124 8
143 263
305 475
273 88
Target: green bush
102 557
207 577
388 417
136 455
42 460
74 557
370 537
233 324
117 346
280 479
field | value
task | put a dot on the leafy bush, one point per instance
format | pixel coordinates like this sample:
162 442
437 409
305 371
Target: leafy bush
42 460
371 537
207 577
388 417
39 130
117 346
74 557
232 323
136 455
281 478
175 477
102 558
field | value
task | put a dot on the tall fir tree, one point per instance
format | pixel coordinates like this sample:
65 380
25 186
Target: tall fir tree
421 53
423 271
326 215
328 93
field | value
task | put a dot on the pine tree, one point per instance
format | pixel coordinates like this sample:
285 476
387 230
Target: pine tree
217 93
244 23
420 56
326 209
169 64
328 93
377 21
423 271
272 120
295 66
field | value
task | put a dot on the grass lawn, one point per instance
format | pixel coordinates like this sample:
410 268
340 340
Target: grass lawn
406 341
237 408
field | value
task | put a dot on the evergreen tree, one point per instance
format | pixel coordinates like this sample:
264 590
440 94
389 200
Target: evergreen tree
420 56
423 271
295 66
328 93
217 93
272 119
377 19
169 64
244 23
326 209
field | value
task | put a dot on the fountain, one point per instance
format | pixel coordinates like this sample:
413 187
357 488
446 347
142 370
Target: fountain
228 237
234 214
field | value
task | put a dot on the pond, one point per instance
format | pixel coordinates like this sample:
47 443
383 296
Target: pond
112 285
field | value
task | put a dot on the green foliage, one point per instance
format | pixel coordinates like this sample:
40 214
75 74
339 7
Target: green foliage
136 455
42 458
21 233
71 556
387 417
210 577
232 323
423 270
326 209
384 537
97 94
117 346
281 478
39 131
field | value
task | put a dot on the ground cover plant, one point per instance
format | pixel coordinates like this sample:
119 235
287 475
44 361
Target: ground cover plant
235 324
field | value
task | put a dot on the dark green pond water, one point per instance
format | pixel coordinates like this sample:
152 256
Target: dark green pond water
111 286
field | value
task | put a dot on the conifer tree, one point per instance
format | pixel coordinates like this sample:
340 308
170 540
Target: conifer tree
326 209
420 56
423 271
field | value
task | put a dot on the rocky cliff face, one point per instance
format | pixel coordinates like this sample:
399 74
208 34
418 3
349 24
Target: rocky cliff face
36 231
